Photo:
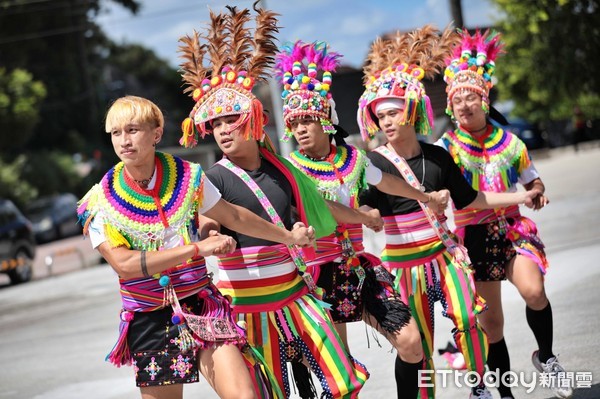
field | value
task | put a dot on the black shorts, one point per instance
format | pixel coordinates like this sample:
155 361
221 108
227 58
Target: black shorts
377 295
489 250
154 344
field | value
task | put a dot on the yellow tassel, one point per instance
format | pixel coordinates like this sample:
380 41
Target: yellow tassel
115 238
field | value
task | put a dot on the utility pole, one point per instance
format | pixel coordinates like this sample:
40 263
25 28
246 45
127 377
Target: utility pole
456 13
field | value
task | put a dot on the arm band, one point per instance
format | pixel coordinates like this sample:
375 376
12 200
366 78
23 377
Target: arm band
144 267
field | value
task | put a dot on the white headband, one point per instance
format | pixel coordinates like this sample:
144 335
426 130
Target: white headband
386 103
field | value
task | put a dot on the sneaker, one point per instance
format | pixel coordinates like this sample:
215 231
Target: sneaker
553 368
480 392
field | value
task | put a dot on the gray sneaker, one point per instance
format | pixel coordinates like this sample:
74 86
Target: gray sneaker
480 393
555 371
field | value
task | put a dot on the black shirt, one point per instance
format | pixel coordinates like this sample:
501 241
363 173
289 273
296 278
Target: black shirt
440 173
270 180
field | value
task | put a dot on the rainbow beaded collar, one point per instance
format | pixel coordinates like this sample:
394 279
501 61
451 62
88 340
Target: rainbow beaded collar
347 167
491 163
133 217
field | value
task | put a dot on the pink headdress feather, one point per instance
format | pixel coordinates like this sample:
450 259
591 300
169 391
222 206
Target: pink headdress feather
298 67
472 69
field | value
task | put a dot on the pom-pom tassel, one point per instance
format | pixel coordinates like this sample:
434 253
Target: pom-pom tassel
188 139
120 354
114 237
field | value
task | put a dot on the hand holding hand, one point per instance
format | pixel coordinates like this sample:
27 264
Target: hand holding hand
373 220
535 199
438 200
302 236
216 244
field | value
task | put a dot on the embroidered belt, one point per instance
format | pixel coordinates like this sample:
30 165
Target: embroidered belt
147 295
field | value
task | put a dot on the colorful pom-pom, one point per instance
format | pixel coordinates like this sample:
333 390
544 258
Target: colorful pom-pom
176 319
196 94
215 81
418 73
230 77
126 315
297 68
164 281
248 83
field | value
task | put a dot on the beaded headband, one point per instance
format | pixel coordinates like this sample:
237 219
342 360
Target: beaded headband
237 61
395 67
472 66
303 94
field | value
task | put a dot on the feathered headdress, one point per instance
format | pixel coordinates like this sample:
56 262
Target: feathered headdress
299 65
394 69
472 65
236 60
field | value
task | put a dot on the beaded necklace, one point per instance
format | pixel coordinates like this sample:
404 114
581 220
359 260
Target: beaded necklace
492 162
139 217
343 169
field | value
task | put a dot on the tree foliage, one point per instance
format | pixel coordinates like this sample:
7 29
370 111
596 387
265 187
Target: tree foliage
552 57
56 48
20 98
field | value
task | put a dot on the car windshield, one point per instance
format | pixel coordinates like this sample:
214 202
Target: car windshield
40 206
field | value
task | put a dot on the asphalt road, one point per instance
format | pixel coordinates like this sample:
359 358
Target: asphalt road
57 330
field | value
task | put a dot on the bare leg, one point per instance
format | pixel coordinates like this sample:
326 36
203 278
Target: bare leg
342 331
492 320
409 361
163 392
225 370
526 276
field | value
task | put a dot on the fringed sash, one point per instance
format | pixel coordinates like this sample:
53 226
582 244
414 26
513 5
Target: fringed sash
490 163
260 279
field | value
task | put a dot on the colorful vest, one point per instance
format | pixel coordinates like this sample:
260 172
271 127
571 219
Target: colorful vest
139 219
345 170
491 163
494 163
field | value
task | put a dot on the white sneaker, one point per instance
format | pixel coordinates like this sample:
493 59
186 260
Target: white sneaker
480 393
556 373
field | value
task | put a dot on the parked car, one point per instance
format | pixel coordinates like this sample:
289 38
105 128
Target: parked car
17 243
530 134
53 217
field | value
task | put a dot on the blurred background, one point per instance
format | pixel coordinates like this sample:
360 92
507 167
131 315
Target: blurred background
62 62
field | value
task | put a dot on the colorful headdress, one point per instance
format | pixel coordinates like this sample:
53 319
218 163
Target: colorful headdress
394 69
237 60
472 66
299 65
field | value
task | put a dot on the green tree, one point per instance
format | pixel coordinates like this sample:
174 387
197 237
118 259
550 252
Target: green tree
553 57
20 98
